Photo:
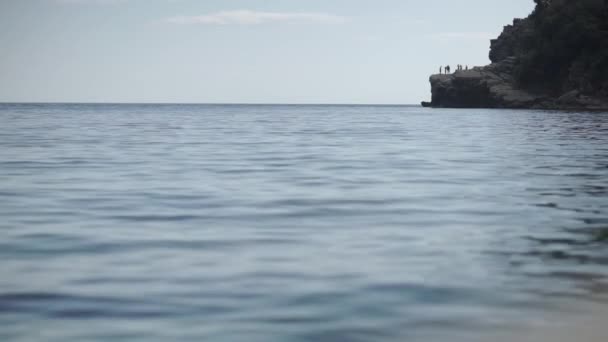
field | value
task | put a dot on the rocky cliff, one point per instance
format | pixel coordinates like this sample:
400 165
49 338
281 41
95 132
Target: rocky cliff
557 58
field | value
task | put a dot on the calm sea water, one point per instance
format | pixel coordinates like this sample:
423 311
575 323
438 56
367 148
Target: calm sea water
297 223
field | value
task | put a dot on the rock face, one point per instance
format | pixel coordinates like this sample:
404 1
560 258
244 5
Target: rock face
533 67
488 87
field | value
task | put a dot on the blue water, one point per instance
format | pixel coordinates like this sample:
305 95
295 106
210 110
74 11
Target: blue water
297 223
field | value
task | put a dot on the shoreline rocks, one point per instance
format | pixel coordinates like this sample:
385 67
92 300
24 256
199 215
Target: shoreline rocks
493 86
533 68
481 87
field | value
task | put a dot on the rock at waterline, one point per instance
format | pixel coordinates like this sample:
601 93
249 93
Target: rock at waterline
488 87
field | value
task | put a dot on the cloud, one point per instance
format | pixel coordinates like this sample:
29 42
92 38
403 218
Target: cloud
101 2
463 35
246 17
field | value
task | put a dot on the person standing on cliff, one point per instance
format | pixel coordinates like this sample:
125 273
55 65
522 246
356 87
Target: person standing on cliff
447 69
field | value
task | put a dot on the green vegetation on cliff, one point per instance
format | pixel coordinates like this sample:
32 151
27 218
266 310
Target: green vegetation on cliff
556 58
562 46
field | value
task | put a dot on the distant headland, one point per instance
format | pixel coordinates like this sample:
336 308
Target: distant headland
556 58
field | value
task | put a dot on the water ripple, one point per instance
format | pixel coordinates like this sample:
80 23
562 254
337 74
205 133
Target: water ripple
297 223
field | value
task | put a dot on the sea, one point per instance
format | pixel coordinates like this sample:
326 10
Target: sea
184 222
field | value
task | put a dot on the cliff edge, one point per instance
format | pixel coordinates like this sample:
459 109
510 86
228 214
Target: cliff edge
556 58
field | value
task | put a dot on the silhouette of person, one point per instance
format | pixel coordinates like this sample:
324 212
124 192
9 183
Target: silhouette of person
447 68
467 67
440 70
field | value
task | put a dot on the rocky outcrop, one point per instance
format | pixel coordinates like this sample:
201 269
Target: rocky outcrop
488 87
492 86
557 58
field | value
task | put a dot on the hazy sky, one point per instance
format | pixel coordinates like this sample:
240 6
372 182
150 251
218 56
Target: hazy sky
240 51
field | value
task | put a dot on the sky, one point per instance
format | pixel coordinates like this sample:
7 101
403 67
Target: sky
240 51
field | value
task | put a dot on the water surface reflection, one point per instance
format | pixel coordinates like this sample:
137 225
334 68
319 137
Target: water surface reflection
297 223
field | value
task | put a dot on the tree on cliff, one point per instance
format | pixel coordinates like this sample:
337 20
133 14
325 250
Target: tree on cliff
542 4
564 46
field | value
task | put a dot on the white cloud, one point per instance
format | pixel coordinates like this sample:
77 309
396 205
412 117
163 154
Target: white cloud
246 17
103 2
463 35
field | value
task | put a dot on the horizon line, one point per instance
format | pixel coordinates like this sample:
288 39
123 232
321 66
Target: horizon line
216 103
